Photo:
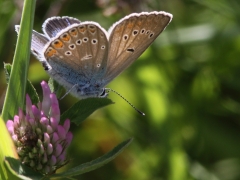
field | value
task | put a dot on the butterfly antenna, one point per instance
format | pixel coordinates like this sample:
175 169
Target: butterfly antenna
140 112
68 91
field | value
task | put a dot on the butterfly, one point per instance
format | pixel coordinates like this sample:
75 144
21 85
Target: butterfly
84 57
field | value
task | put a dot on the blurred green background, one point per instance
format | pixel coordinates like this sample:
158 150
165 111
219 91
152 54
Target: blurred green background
187 83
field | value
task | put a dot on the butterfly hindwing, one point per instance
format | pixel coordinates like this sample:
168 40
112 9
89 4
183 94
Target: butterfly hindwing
130 37
82 48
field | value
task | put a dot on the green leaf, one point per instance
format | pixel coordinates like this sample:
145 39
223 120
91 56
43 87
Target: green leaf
83 108
7 71
30 90
15 95
55 87
22 171
90 166
6 14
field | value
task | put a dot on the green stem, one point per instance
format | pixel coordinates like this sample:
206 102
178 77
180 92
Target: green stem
15 94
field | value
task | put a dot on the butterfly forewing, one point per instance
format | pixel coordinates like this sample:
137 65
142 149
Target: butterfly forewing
130 37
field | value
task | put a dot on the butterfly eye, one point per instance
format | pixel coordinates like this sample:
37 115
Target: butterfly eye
103 94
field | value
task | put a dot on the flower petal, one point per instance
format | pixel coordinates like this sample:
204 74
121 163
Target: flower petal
55 137
55 111
46 138
61 132
66 125
54 123
16 121
21 114
36 112
46 103
49 149
61 158
29 106
68 140
58 150
10 127
44 121
52 161
49 129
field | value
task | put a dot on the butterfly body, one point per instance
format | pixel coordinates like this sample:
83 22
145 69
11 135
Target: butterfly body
84 57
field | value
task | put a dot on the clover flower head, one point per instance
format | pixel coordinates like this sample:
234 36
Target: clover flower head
40 140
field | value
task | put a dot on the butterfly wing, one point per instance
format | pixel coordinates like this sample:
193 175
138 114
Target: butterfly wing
82 48
130 37
54 25
38 42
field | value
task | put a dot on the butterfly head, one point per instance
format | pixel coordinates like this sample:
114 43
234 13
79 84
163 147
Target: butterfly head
88 92
104 93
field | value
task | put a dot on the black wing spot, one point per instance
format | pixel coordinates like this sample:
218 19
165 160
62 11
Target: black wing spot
135 32
94 41
85 39
68 53
130 50
147 32
151 35
72 46
125 37
79 42
102 47
142 31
